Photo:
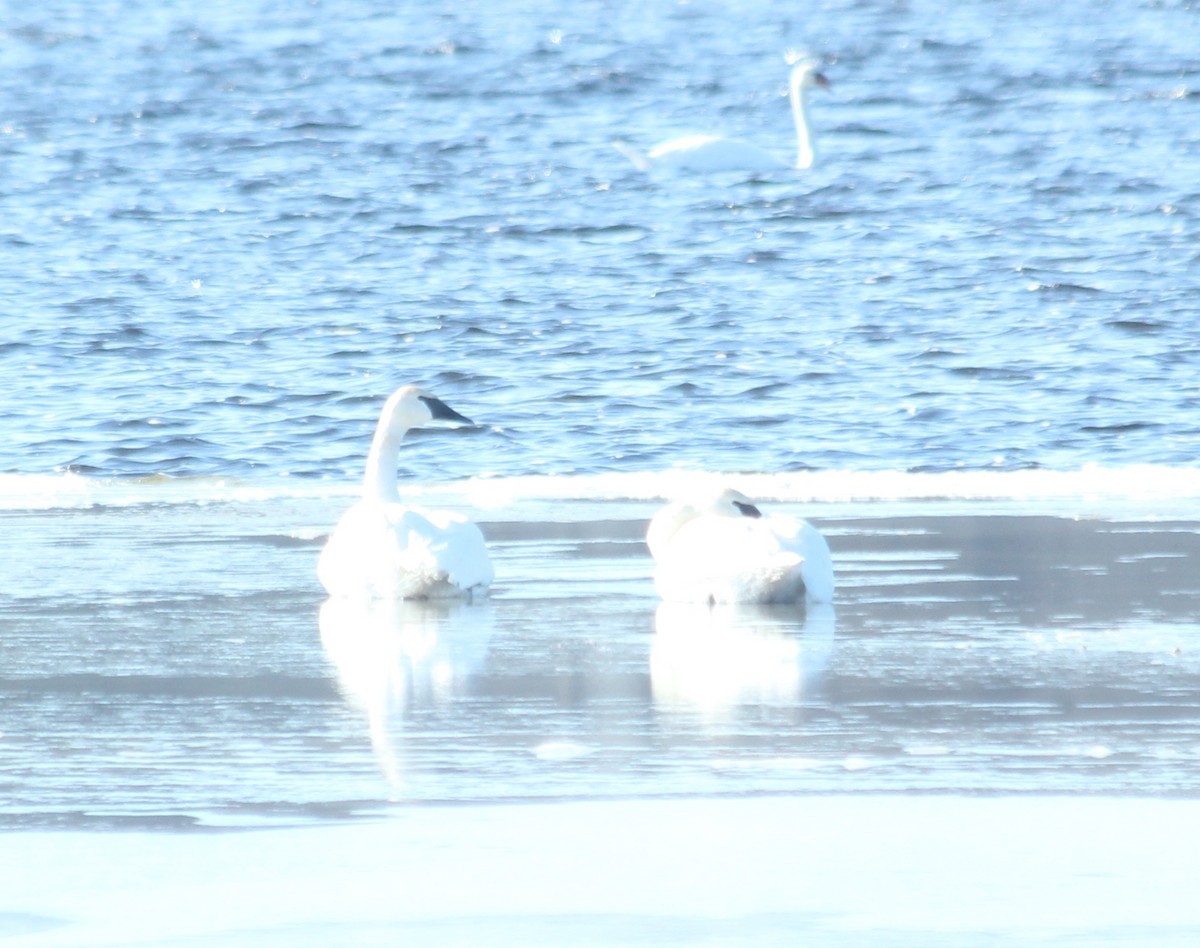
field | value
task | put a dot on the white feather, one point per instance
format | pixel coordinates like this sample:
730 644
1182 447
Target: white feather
721 549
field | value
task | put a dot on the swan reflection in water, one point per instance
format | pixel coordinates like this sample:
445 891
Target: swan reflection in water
714 659
393 656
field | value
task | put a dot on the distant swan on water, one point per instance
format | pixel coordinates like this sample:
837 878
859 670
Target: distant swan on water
384 549
722 549
713 153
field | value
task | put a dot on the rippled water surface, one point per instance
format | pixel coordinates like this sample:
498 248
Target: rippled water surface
229 229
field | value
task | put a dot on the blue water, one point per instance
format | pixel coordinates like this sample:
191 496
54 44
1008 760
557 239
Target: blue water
228 230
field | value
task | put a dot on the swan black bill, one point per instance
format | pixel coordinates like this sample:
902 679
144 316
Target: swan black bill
443 412
747 510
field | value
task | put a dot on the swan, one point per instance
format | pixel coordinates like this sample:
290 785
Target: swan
713 153
722 549
383 549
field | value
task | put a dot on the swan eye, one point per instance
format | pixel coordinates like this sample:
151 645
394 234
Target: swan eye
747 510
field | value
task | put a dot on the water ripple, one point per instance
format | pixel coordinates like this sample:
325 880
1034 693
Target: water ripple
232 241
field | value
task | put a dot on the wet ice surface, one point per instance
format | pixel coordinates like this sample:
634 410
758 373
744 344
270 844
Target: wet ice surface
999 712
190 675
825 870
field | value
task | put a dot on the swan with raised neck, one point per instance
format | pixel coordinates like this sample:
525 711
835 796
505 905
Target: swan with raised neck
405 408
382 548
804 76
716 153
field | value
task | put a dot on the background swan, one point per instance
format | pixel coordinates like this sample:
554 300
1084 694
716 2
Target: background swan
722 549
384 549
713 153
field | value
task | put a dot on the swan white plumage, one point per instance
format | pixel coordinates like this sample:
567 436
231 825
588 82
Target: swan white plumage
722 549
384 549
714 153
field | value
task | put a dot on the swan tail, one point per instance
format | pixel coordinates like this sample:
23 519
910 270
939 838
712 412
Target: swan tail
640 161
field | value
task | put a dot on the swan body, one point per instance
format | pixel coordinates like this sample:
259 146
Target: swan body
384 549
722 549
714 153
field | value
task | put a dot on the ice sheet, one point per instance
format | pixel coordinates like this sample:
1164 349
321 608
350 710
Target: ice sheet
821 870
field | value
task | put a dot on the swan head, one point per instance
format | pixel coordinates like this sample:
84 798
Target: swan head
411 405
732 503
671 519
405 408
807 75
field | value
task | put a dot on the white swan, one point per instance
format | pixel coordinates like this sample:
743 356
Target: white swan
713 153
384 549
722 549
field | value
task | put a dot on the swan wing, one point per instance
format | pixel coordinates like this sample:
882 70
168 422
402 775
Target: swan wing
389 551
724 560
743 560
712 153
458 547
805 541
350 563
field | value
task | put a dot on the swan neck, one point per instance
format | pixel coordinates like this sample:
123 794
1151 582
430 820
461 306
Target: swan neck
804 147
665 524
379 483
